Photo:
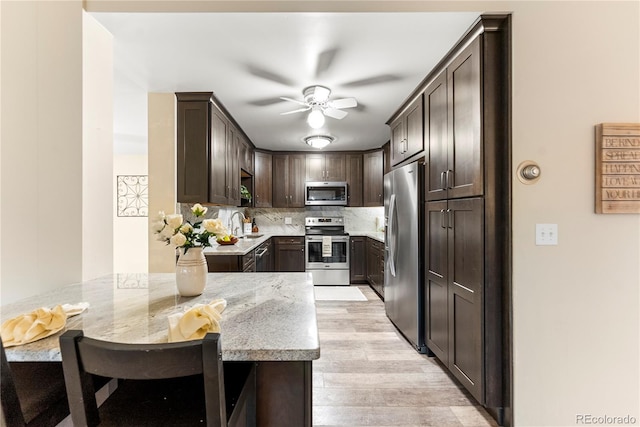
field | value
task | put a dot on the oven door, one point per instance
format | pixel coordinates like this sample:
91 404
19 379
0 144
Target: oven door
336 258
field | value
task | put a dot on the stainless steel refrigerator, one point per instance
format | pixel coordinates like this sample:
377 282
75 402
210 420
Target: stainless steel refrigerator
403 294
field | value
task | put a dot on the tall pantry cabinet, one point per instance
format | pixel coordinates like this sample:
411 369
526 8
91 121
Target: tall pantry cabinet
467 196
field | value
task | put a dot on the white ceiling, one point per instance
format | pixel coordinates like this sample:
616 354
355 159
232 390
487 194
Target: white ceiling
249 60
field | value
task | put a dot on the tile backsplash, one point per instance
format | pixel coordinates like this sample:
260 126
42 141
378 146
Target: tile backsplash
272 220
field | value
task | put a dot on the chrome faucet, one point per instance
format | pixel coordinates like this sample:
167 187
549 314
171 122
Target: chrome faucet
231 222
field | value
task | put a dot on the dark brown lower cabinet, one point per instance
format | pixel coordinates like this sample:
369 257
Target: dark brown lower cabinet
358 259
375 265
229 263
289 253
454 288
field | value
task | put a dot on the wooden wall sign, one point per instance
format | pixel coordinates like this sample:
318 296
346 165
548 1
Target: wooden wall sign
618 168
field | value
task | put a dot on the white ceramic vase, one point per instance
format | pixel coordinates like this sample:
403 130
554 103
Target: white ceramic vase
191 272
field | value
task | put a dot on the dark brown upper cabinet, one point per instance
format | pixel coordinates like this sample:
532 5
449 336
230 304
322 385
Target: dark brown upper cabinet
193 151
373 177
353 164
211 150
288 180
407 133
262 197
246 155
218 186
453 113
325 167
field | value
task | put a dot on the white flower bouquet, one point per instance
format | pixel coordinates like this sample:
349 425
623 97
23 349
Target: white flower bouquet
174 230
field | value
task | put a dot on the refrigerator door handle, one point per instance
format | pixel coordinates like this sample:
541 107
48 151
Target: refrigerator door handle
393 234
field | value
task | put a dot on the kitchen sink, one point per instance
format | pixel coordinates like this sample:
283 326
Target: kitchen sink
252 236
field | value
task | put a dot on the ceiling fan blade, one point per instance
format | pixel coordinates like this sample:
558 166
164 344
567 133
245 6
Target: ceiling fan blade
333 113
265 102
294 100
383 78
295 111
268 75
325 59
343 103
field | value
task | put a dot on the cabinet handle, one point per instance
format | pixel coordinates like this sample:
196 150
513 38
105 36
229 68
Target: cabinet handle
406 145
449 218
449 178
442 219
442 184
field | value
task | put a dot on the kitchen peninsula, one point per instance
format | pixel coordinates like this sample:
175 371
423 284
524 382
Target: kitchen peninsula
270 319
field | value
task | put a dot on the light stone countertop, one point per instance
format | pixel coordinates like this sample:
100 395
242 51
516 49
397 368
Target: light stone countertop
269 316
377 235
243 246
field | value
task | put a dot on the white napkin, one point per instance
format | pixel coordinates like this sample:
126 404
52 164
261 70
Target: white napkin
326 246
196 321
38 324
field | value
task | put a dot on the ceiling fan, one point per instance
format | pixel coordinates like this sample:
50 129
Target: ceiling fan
316 99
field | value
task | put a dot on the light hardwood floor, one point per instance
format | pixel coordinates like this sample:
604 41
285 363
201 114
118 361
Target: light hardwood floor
369 375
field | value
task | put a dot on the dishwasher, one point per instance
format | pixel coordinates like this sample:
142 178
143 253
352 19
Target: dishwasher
264 257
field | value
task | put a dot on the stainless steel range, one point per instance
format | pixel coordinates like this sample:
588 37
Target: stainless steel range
327 250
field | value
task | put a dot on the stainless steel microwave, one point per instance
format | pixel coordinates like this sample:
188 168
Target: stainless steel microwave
332 193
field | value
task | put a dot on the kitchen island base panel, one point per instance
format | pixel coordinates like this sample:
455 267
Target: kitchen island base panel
284 393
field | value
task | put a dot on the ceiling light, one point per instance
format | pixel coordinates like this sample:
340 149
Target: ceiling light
318 141
315 118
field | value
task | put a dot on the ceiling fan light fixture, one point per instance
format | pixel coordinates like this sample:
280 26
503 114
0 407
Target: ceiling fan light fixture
316 118
316 94
318 141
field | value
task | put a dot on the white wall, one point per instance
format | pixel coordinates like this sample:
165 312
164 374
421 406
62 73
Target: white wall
130 234
162 174
576 308
41 114
97 149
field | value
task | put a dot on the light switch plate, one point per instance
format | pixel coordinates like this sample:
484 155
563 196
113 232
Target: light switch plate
287 220
546 234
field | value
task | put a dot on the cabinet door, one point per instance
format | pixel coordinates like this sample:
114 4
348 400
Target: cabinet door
233 166
354 179
386 149
466 284
280 180
414 137
373 178
436 278
193 151
435 122
262 180
372 265
289 254
314 167
218 192
290 258
397 140
465 139
296 180
334 166
381 269
358 265
246 155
